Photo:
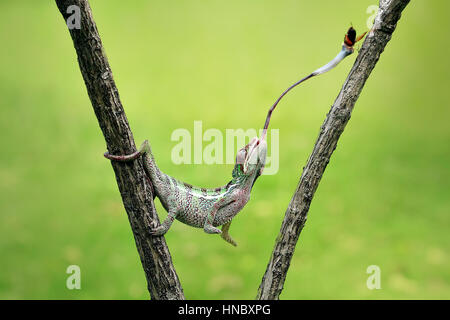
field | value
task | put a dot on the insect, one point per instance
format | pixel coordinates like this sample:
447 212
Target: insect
211 208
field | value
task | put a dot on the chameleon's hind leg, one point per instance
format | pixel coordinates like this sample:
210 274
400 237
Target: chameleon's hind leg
164 227
208 226
225 235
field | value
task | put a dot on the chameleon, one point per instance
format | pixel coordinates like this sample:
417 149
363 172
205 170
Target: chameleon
210 208
202 207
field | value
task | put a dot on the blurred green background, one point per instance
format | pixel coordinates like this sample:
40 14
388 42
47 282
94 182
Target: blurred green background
384 199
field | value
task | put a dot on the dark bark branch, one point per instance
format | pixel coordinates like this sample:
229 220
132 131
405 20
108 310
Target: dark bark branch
135 188
332 128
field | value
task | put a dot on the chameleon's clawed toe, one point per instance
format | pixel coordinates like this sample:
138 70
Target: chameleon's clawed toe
159 231
210 229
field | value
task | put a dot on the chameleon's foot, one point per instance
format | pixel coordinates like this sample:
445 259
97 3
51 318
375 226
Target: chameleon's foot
164 227
210 229
159 231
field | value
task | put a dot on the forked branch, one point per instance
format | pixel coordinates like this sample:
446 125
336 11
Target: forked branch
136 189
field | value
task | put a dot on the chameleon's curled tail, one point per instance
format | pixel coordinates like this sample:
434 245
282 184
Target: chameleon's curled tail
144 148
149 162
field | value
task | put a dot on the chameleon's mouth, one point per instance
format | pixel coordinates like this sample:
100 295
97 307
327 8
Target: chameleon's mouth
251 158
252 147
254 144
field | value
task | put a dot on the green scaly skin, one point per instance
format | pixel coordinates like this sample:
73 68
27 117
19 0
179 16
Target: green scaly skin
201 207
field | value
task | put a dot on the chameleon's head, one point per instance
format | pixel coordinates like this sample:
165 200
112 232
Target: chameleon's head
251 159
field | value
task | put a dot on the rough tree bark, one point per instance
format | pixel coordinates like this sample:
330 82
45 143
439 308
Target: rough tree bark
135 188
332 128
